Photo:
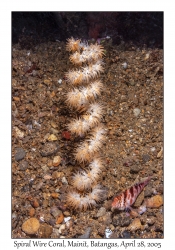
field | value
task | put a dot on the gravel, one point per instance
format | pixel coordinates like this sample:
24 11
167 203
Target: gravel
133 100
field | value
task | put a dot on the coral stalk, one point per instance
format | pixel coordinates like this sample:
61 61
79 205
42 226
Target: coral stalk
85 89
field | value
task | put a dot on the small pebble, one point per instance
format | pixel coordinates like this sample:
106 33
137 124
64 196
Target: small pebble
35 203
45 231
118 220
61 228
147 56
125 65
19 133
126 234
87 233
151 220
55 211
154 202
145 158
142 209
60 218
101 212
15 98
64 181
135 225
66 219
55 195
67 213
136 112
45 168
31 226
56 160
148 191
160 153
55 233
23 165
52 137
134 169
14 216
49 148
108 233
32 212
20 154
39 185
56 174
133 213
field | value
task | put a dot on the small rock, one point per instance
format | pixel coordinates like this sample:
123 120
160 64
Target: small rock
56 160
142 209
45 203
35 203
145 158
54 131
60 218
39 185
147 56
56 174
154 202
151 220
55 233
55 211
107 218
133 213
18 132
53 124
135 225
160 153
31 226
45 168
64 181
47 177
128 161
55 195
15 98
118 220
148 191
20 154
47 82
45 231
52 137
108 233
52 221
49 148
23 165
101 212
66 213
136 111
101 230
52 94
87 233
135 169
62 227
125 65
66 219
126 235
69 223
32 212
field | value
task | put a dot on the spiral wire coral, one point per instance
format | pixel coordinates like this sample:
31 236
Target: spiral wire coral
85 89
